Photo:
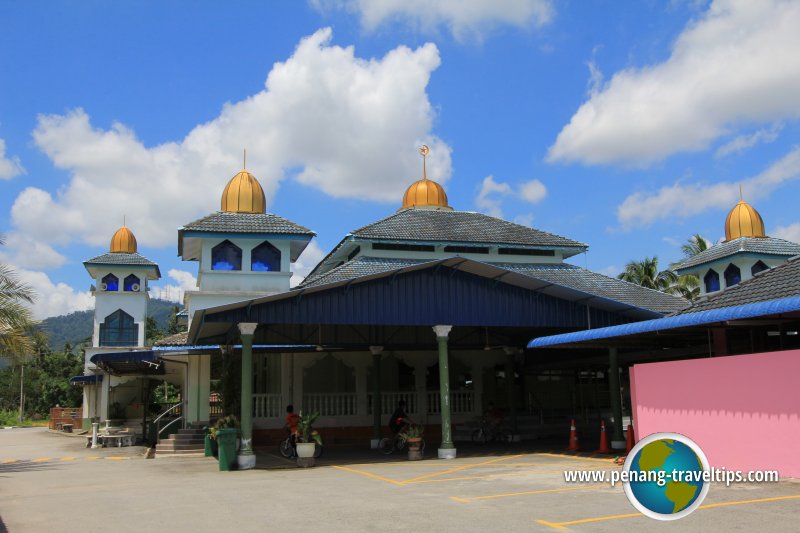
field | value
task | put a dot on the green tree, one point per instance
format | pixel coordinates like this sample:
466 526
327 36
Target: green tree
688 285
173 327
152 332
696 244
646 274
16 320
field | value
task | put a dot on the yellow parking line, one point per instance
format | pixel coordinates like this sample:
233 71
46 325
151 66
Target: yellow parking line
7 461
577 457
458 468
527 493
117 458
92 458
67 458
41 460
373 476
488 476
562 525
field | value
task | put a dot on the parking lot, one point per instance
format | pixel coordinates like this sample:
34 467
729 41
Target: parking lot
52 483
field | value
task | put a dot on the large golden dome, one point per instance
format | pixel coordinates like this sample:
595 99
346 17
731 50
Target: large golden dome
243 194
123 241
743 221
425 194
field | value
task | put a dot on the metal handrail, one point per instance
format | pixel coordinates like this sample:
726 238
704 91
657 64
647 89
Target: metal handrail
157 420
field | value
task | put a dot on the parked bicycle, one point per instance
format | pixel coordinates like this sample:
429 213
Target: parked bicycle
490 432
388 445
288 450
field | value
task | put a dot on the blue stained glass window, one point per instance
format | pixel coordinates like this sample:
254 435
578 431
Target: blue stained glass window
732 275
265 258
711 280
119 329
226 256
129 283
111 282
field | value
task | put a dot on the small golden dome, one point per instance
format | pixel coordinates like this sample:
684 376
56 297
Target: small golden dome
123 241
743 221
425 194
243 194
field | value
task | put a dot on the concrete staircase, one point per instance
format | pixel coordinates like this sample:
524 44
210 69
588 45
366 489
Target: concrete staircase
186 442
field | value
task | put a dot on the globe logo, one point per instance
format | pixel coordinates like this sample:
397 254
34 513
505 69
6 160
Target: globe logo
666 476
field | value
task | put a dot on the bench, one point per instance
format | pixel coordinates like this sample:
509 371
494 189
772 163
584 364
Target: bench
118 440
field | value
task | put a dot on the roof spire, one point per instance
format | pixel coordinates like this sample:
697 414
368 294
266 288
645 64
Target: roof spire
424 151
741 198
244 160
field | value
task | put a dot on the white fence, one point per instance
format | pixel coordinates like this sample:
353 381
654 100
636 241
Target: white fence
389 401
461 402
267 406
331 404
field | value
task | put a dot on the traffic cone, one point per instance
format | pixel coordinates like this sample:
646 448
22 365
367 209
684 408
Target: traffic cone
604 448
630 439
573 437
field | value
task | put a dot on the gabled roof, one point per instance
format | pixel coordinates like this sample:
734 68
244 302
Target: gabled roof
246 223
563 275
121 259
460 227
753 245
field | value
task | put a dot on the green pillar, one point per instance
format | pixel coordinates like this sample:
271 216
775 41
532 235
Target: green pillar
511 389
246 458
446 450
376 394
613 390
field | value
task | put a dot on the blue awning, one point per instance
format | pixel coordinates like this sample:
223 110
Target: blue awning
127 363
738 312
86 380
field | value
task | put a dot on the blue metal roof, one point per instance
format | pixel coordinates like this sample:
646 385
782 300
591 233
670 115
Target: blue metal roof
769 307
86 380
132 362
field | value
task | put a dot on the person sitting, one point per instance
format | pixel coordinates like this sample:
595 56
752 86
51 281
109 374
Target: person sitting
399 418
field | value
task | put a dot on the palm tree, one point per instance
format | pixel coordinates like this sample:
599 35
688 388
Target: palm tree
696 244
16 320
646 274
688 285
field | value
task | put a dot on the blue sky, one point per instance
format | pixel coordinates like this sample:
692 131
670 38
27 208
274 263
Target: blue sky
625 125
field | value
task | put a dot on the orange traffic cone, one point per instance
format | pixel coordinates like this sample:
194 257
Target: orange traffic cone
604 448
573 437
630 439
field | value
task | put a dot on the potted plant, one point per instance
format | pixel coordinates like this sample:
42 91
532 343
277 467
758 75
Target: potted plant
307 436
414 441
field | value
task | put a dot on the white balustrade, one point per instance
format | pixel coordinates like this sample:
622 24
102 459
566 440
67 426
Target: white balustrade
461 402
267 406
330 404
389 401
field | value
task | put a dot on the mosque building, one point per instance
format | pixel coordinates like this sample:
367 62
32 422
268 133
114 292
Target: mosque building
430 305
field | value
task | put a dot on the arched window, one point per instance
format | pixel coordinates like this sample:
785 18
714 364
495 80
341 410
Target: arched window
760 266
132 284
119 329
111 283
265 258
732 275
226 256
711 280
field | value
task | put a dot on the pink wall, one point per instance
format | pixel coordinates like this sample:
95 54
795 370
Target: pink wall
743 410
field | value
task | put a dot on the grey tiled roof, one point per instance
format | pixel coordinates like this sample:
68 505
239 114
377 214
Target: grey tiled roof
779 282
178 339
559 274
247 223
756 245
459 227
120 258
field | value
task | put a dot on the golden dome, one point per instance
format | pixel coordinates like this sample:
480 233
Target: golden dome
243 194
123 241
743 221
426 194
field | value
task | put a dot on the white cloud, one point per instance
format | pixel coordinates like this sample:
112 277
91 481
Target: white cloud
54 299
174 292
735 65
492 193
10 167
684 200
790 232
312 255
31 254
746 141
524 220
350 125
490 196
463 18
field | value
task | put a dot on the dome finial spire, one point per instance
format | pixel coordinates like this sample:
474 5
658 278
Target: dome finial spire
244 160
424 151
741 197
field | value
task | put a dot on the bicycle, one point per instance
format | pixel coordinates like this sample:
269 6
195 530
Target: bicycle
388 445
288 450
489 432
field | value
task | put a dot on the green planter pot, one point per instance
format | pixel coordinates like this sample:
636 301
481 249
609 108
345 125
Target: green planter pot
226 440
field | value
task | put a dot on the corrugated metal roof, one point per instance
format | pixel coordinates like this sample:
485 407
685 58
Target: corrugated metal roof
754 245
770 307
